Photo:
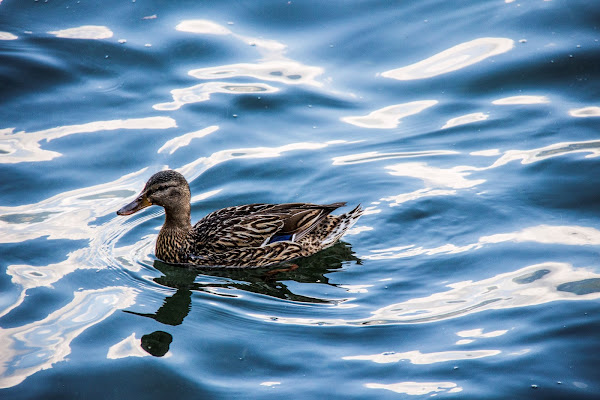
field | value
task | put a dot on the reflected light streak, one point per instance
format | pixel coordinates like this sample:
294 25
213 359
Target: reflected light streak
452 59
515 100
389 117
206 27
548 234
585 112
359 229
356 288
203 91
84 32
486 153
25 146
128 347
39 345
543 234
7 36
418 388
543 153
203 196
465 119
283 71
377 156
197 167
478 333
417 194
454 178
438 180
274 66
202 26
181 141
528 286
372 209
416 357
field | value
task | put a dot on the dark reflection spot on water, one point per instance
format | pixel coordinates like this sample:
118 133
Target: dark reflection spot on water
109 195
294 77
580 288
534 276
157 343
26 218
276 73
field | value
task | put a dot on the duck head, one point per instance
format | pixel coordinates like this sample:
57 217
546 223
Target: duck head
167 189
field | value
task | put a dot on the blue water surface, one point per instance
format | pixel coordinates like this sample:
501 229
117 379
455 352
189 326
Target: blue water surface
469 130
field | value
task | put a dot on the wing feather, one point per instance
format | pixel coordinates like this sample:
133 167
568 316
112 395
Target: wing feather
254 225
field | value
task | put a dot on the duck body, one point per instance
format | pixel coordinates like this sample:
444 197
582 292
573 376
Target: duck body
251 235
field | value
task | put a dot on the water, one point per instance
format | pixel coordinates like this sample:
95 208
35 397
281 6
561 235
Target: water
469 131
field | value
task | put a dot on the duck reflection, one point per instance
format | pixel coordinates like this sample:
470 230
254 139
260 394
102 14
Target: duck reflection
157 343
265 281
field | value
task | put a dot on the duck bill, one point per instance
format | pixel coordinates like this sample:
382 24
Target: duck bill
135 206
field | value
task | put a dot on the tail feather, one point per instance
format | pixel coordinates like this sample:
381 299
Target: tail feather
346 221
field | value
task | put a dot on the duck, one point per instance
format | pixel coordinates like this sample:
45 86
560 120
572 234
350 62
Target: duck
250 235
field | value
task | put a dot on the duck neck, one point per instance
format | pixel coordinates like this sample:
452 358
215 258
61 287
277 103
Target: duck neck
178 218
172 239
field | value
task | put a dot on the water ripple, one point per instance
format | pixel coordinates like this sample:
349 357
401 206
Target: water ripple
524 287
18 147
36 346
543 234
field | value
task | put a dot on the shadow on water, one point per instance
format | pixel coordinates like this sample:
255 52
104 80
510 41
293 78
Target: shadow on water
265 281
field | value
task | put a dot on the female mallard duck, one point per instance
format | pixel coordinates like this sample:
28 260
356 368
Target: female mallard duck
249 235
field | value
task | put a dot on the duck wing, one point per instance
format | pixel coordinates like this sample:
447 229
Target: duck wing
300 219
257 225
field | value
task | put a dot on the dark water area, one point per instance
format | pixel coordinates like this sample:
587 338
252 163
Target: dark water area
470 132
